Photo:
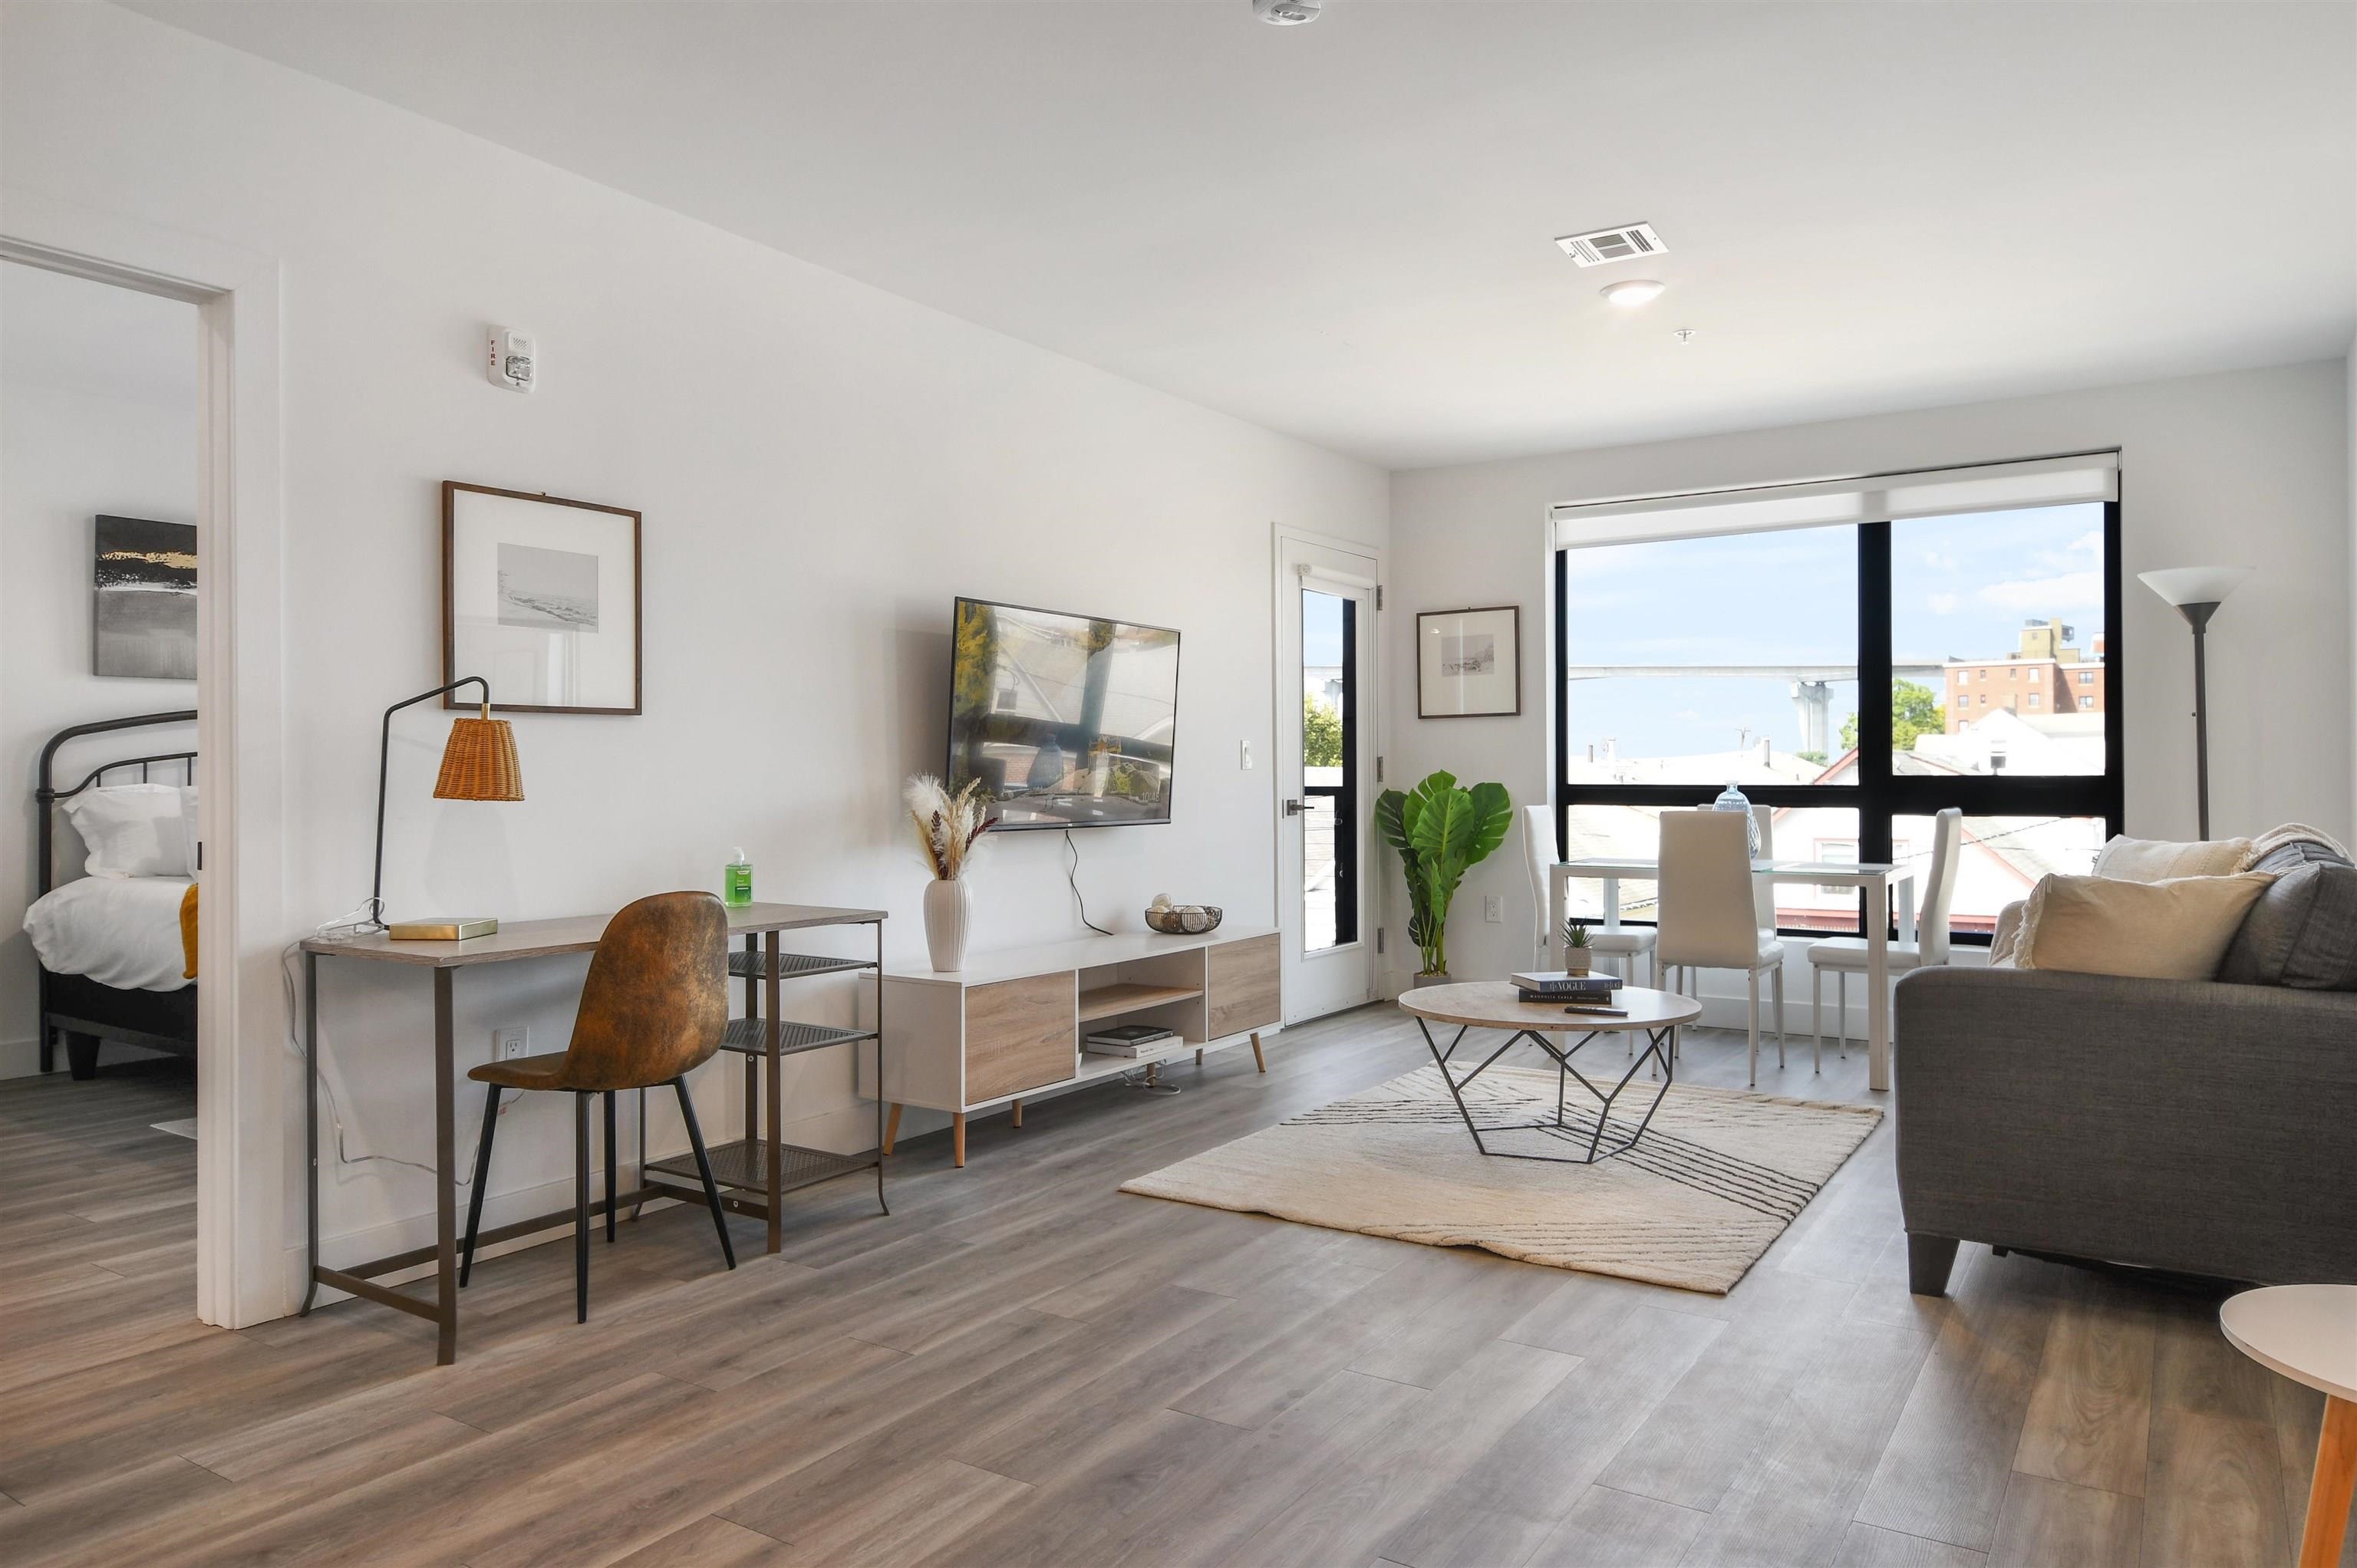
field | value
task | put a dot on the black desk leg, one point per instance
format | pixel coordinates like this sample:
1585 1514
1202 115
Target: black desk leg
880 1202
446 1186
774 1094
310 1129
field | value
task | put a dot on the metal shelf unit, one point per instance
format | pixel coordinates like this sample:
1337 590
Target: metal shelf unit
758 1170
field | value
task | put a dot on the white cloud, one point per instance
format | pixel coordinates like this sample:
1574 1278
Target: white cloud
2091 542
1944 604
1938 561
2048 595
1689 714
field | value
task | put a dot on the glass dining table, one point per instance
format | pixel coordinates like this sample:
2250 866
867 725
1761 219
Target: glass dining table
1878 879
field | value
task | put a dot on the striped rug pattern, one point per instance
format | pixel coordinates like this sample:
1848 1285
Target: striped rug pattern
1715 1180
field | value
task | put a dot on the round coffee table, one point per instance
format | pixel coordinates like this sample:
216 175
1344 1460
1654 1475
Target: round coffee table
2308 1333
1496 1004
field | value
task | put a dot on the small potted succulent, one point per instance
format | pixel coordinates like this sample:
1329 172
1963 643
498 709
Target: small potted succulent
1576 950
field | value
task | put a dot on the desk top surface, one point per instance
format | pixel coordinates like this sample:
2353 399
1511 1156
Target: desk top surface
1850 870
571 933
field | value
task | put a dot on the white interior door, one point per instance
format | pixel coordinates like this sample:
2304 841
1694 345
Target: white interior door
1326 749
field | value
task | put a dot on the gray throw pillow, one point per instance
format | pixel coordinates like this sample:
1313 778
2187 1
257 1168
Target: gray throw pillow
2303 930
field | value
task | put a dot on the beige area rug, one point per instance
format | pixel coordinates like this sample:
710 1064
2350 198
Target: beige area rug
1715 1179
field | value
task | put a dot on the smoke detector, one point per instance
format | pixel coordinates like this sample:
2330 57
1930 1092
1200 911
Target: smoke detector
1286 13
1603 246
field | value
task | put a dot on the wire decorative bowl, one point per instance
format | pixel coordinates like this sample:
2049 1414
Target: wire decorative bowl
1184 920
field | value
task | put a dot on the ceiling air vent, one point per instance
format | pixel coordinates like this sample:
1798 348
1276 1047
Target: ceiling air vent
1607 245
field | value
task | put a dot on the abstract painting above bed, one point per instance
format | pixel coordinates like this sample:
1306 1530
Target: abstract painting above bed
145 608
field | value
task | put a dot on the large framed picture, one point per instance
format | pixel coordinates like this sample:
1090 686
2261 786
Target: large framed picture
1469 663
540 597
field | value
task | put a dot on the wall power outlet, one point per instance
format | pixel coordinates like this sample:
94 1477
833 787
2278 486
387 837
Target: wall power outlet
507 1043
1494 909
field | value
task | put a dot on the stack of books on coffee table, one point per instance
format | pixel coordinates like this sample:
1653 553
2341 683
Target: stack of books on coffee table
1588 992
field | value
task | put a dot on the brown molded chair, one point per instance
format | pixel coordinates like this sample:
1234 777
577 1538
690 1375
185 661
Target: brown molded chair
653 1010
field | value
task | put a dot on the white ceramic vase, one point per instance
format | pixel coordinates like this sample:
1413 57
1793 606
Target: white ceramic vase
949 912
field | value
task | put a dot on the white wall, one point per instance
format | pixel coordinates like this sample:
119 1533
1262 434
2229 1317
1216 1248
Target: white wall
98 413
820 466
2250 467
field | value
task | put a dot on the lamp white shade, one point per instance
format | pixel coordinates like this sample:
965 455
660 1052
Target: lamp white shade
2195 585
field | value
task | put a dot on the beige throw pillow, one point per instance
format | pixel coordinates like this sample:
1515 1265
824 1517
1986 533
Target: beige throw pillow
2156 860
2178 929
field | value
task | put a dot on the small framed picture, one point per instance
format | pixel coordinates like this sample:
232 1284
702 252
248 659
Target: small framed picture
1469 663
540 597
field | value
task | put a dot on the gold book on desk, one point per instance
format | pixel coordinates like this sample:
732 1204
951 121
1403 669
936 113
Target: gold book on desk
442 929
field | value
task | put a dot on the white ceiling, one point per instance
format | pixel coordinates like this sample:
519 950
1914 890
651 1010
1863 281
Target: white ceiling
1344 231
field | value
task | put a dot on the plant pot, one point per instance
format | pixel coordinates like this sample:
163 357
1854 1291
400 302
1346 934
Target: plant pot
949 914
1574 963
1421 981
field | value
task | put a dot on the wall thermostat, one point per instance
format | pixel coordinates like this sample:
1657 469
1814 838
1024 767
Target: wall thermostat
514 360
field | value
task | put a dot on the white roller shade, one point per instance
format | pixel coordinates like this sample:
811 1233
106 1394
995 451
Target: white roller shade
1867 498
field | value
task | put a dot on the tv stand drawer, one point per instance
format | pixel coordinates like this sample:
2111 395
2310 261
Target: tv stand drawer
1019 1033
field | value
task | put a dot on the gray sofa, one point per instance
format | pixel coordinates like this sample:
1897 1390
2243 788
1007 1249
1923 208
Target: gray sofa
2186 1125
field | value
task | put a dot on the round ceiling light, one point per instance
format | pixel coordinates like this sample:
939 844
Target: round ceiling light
1286 13
1631 294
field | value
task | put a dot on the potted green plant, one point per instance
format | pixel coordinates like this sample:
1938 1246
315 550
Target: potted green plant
1575 951
1440 830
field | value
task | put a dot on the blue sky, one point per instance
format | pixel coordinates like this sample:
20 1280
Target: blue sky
1960 586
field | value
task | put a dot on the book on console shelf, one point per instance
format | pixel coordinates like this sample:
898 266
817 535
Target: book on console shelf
1132 1040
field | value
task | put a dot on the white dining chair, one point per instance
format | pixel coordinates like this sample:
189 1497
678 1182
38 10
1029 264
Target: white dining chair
1710 912
1621 946
1845 956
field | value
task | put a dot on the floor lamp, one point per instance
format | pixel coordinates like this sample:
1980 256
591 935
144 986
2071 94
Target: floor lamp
2197 592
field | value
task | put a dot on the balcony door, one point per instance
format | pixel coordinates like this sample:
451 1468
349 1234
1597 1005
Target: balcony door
1326 764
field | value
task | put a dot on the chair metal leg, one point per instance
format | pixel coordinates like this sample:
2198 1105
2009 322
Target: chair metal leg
1776 982
1841 1011
1816 1019
611 1186
580 1207
482 1176
704 1169
1754 1017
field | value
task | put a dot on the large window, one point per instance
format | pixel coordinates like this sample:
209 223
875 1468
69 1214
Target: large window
1686 664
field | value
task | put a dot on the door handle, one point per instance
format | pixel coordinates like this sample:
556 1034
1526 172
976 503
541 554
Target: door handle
1293 807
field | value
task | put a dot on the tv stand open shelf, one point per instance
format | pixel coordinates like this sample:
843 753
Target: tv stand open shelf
1008 1026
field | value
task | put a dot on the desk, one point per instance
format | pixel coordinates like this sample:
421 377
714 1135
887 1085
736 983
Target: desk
764 1035
1876 878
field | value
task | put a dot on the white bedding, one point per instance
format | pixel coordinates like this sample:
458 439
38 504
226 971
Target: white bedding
123 931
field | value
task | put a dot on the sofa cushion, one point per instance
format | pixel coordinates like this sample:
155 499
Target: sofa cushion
2156 860
2302 931
2178 929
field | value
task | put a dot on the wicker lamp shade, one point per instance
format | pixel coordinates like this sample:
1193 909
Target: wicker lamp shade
480 763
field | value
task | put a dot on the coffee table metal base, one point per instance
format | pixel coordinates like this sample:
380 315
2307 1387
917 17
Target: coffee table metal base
1658 1051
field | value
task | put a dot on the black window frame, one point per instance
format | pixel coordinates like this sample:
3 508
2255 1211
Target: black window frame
1880 794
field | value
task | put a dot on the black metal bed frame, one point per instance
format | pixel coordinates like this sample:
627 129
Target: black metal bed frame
74 1005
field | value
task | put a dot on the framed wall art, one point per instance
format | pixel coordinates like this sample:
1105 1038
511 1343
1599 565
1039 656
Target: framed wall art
144 615
1469 663
541 597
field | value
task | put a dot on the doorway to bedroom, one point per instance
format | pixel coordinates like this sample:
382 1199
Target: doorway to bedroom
100 427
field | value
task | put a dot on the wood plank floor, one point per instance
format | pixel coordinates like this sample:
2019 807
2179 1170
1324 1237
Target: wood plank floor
1022 1366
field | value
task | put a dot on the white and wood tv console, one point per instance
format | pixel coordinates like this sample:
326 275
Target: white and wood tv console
1008 1026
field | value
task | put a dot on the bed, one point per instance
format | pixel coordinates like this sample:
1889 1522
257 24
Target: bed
110 948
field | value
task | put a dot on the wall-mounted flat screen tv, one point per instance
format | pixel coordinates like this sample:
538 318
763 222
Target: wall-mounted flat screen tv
1070 721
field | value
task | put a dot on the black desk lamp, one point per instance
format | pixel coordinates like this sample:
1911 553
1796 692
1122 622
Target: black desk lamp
478 762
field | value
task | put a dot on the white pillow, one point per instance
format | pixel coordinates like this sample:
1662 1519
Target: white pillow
193 828
132 829
2124 859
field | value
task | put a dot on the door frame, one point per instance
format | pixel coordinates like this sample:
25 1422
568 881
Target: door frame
1374 719
244 1064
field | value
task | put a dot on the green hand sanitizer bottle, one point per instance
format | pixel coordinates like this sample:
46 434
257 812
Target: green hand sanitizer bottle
738 877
